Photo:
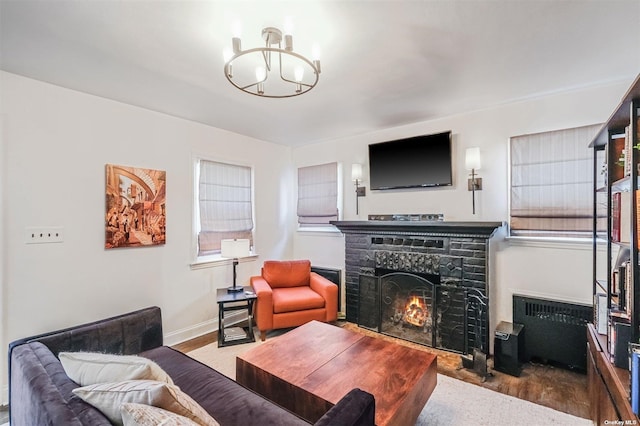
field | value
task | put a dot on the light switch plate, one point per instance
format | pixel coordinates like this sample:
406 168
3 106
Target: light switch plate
44 235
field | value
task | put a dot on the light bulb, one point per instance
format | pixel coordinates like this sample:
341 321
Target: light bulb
236 29
288 25
315 52
288 34
261 74
299 73
227 54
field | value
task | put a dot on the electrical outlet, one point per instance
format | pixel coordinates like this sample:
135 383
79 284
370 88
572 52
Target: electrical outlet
44 235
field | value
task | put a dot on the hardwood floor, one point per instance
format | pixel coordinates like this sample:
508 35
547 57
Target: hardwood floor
553 387
543 384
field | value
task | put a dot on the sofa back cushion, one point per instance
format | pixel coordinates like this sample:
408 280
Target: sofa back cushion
126 334
286 273
90 368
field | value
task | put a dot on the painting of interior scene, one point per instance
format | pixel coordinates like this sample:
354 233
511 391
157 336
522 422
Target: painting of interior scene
135 207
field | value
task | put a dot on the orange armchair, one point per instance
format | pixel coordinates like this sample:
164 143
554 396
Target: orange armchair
289 295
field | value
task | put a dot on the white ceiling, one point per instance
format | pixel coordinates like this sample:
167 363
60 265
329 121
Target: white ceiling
384 63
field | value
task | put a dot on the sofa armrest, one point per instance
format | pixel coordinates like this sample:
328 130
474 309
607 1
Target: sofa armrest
356 408
329 292
264 304
42 394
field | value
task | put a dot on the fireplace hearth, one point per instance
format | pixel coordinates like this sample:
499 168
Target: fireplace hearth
426 282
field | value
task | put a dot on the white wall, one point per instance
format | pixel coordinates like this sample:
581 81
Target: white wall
55 146
559 271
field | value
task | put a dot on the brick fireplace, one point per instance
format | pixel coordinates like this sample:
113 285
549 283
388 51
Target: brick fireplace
423 281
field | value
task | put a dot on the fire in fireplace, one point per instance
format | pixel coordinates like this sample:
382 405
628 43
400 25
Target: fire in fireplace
416 312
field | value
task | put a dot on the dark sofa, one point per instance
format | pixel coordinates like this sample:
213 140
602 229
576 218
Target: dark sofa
40 393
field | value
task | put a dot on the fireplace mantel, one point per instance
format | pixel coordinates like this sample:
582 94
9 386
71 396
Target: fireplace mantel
469 229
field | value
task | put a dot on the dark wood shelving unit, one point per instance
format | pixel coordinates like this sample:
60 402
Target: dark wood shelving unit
607 359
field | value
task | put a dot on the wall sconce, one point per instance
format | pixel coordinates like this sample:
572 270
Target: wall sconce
356 177
472 162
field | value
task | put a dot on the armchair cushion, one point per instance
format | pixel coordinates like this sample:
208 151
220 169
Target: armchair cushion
292 273
291 299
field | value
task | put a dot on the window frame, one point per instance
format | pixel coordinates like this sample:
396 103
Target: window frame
324 228
209 260
559 241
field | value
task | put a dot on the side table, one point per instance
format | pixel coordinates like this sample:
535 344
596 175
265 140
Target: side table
235 301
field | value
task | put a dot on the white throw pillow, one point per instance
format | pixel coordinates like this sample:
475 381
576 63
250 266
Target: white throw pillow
109 397
90 368
147 415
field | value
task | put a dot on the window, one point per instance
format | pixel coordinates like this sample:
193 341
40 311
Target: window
552 184
224 204
318 195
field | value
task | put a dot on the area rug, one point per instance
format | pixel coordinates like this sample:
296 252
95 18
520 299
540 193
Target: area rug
453 401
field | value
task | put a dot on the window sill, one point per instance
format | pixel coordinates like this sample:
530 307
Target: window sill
320 230
549 242
217 260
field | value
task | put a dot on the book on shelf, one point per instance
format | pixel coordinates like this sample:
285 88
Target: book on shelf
622 287
621 337
615 168
600 314
621 290
628 143
634 377
621 217
628 287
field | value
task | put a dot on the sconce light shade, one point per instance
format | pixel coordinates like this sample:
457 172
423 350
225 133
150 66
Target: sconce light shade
472 159
234 249
356 172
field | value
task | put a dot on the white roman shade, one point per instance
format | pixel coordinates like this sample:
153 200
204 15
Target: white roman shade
318 194
225 205
552 183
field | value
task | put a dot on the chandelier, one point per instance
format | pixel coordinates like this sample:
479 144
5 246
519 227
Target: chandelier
271 71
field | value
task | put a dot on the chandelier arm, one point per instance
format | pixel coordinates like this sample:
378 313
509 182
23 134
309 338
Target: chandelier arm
283 78
263 51
250 85
266 55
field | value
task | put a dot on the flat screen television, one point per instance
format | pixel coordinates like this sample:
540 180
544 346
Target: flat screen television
420 161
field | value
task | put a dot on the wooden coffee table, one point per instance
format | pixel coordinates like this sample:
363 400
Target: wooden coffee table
309 369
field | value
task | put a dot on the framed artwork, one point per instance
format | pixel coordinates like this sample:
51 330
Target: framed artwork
135 207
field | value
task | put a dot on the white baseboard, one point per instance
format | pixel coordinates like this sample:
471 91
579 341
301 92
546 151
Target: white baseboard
191 332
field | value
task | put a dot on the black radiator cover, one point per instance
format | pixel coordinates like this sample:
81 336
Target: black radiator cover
553 330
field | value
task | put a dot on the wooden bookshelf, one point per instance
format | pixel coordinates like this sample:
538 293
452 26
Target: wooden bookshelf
616 152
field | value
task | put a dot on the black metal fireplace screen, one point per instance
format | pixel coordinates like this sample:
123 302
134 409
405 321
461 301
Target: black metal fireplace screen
418 308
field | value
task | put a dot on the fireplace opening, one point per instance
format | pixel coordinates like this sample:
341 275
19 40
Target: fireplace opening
417 308
406 307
